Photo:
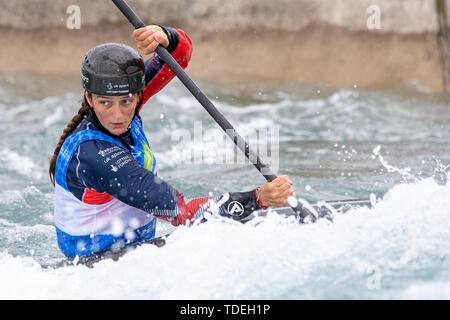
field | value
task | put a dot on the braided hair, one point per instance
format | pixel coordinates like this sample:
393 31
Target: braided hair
72 125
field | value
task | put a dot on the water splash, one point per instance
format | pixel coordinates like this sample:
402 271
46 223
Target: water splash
440 172
404 172
405 237
403 241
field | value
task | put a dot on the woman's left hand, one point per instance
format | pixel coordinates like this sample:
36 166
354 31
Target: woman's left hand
149 38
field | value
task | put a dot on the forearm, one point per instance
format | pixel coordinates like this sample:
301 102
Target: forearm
106 168
234 205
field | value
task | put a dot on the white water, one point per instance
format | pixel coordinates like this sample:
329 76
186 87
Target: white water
398 250
334 145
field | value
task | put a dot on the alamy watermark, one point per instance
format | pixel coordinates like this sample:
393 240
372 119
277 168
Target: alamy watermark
374 19
214 146
74 19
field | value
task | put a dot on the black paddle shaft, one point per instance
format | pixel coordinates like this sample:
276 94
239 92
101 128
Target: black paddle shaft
199 95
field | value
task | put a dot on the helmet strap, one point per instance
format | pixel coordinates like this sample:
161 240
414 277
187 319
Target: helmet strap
139 105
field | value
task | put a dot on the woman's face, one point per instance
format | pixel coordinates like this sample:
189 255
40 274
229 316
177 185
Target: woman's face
115 113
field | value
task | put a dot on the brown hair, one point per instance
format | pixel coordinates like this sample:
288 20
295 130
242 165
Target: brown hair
76 120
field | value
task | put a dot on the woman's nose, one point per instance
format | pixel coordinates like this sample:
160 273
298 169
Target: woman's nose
116 111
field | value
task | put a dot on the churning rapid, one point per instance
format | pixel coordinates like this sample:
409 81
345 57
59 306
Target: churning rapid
334 144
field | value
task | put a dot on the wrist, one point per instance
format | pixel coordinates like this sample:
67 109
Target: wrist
172 36
258 193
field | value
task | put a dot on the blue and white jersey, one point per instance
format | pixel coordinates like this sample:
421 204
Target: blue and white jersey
103 214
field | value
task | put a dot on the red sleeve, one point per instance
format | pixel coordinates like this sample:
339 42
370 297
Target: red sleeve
182 55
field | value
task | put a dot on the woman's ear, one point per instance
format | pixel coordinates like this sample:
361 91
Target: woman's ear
88 98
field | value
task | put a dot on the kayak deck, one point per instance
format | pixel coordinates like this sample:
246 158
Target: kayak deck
310 213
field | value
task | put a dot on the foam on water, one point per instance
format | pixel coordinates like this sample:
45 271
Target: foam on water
24 165
405 237
328 144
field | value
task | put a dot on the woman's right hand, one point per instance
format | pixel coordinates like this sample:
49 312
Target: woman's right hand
276 192
149 38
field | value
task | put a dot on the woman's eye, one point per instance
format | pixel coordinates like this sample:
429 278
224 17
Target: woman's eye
105 103
127 101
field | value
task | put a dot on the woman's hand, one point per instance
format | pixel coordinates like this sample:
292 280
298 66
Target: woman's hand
148 38
276 193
